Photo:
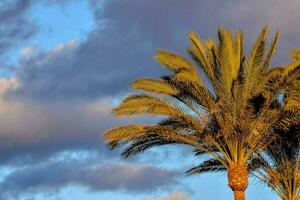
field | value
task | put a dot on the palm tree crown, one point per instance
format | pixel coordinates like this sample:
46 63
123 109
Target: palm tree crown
228 117
279 165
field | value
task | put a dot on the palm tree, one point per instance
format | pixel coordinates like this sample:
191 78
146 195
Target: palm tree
280 169
225 112
279 164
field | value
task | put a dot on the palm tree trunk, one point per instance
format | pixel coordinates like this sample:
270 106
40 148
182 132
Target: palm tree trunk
239 195
238 181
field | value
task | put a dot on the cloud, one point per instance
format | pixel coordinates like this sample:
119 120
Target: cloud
126 36
10 9
34 136
173 196
15 27
31 131
48 109
86 71
252 15
51 176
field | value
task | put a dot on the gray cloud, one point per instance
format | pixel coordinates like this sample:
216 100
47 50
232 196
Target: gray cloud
54 175
9 9
127 33
91 70
15 27
31 131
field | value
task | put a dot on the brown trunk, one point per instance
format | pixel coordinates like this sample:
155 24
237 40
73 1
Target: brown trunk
239 195
238 181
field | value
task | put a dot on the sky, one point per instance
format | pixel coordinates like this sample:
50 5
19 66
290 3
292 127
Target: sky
67 63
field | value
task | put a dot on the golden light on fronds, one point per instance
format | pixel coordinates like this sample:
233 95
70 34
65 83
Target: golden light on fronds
230 55
292 104
292 68
184 70
123 132
295 54
272 51
145 104
155 86
173 61
241 104
285 181
198 50
254 64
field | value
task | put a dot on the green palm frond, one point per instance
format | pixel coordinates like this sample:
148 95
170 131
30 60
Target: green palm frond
211 165
131 133
144 143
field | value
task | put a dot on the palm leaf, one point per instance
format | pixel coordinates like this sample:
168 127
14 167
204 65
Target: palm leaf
295 54
211 165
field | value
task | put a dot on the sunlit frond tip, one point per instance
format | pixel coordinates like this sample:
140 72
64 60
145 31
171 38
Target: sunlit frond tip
295 54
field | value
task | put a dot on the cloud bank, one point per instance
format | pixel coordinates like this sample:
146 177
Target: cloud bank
52 176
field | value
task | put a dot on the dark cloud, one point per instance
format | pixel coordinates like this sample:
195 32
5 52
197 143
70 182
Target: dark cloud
15 27
10 9
96 68
54 175
32 132
127 33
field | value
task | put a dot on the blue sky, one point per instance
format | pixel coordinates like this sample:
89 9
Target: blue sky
65 66
56 25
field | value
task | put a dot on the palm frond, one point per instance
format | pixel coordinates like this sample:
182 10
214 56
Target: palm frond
198 50
156 86
211 165
133 133
254 64
271 52
295 54
144 143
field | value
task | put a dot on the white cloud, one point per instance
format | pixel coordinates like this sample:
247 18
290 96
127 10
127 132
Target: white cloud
28 52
